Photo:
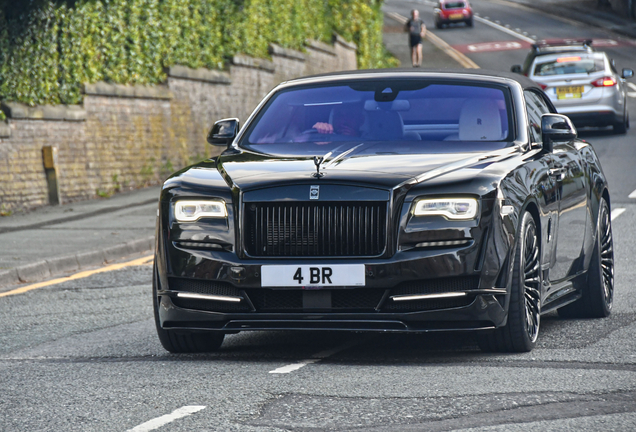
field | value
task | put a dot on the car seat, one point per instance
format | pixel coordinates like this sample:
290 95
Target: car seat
479 120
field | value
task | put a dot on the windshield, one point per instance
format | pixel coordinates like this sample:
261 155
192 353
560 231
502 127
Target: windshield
454 5
424 114
569 65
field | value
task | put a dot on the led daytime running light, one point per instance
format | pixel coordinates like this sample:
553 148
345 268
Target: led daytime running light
450 208
190 211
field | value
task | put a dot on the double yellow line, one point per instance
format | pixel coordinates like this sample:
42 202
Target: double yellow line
136 262
439 43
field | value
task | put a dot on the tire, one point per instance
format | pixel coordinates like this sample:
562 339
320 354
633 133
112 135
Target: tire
182 341
438 25
524 312
597 294
621 127
469 23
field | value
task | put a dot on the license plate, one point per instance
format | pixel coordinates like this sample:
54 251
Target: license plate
569 92
309 275
456 16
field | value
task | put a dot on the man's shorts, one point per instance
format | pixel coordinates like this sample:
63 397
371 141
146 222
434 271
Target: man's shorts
415 40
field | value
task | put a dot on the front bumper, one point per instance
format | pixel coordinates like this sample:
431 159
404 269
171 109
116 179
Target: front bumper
442 287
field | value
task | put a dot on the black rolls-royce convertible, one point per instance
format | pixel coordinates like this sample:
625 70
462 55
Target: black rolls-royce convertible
387 201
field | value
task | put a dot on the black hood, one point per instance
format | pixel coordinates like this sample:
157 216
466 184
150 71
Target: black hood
248 171
383 170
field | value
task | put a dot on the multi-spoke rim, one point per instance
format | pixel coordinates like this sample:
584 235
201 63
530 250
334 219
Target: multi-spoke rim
607 255
531 281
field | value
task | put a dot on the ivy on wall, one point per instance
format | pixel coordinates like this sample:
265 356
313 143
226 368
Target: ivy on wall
49 48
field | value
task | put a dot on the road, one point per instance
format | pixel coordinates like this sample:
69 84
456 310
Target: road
83 355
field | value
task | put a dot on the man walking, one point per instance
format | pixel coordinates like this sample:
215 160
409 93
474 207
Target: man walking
417 30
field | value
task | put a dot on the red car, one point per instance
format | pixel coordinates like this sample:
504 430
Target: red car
453 11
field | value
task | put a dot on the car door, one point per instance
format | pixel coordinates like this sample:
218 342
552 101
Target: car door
571 192
548 186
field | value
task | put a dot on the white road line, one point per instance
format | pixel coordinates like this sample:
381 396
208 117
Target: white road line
156 423
504 29
315 358
617 212
293 367
632 195
632 85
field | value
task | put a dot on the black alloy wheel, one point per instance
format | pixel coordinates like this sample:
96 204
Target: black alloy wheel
597 294
524 312
182 341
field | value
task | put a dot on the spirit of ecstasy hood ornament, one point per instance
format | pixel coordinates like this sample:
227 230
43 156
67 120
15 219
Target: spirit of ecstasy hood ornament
317 162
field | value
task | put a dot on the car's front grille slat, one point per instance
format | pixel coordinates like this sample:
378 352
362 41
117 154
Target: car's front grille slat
315 229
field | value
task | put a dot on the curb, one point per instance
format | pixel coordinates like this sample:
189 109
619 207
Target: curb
40 270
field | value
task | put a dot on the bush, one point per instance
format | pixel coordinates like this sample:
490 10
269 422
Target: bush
49 48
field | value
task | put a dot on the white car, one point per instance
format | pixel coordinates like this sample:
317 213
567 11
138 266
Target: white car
585 86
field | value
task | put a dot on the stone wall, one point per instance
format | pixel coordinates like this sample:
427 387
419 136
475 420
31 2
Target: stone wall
130 136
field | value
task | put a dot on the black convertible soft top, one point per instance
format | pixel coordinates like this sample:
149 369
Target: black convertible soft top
524 81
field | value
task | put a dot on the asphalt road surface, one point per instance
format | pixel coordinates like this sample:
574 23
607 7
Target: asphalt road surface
83 355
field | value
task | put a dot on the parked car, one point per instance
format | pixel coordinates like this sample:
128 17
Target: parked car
584 85
453 11
386 201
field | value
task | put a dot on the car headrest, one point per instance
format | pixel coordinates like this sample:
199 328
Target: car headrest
396 105
479 120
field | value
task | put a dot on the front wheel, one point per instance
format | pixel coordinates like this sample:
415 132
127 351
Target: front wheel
524 312
182 341
597 295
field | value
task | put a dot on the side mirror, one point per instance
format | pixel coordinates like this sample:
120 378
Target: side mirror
516 69
223 132
556 128
627 73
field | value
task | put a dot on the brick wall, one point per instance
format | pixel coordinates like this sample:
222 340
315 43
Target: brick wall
126 137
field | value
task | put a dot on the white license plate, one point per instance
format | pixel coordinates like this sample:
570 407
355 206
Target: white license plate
312 275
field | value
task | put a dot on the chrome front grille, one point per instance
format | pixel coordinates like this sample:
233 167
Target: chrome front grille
325 229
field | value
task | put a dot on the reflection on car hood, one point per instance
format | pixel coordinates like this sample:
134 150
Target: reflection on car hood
249 170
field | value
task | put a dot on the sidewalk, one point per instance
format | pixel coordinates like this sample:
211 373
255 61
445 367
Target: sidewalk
397 43
54 241
586 12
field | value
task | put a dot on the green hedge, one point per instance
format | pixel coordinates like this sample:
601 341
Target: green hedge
48 48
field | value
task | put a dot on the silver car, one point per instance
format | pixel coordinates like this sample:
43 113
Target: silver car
585 86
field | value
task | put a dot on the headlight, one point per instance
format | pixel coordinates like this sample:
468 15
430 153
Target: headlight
450 208
190 211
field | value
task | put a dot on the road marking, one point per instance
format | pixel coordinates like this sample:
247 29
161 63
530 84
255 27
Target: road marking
439 43
491 46
314 358
617 212
80 275
632 94
505 30
156 423
632 195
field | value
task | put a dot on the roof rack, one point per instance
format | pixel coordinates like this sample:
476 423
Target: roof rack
562 43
